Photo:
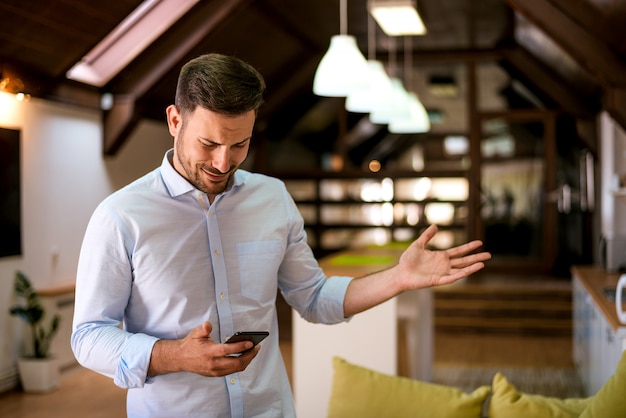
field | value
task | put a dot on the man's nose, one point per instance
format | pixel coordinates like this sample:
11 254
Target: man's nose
221 160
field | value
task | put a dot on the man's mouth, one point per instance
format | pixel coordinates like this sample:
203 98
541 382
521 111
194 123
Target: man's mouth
216 177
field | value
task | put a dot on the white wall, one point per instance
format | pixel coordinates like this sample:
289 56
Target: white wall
64 176
612 164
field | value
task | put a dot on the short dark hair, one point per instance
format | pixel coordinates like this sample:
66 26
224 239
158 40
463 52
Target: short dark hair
219 83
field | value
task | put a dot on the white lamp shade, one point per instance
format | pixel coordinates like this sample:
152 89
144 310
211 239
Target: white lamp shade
391 106
416 122
363 101
342 70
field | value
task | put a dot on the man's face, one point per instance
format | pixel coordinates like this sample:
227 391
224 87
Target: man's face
209 147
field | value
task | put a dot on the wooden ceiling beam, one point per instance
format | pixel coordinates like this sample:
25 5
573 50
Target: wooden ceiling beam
154 63
119 122
591 53
550 83
605 21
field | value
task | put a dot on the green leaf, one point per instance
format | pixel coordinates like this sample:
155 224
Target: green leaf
32 313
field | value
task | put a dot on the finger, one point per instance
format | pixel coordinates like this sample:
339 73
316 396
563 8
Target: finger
202 331
469 270
237 363
464 249
237 348
469 259
427 235
458 274
247 356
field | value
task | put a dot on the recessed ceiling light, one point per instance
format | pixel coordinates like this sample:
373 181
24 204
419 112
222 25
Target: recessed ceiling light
397 17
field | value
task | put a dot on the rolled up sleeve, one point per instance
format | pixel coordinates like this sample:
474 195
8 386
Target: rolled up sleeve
132 369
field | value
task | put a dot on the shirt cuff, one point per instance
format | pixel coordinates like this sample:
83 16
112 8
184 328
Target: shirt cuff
132 370
333 295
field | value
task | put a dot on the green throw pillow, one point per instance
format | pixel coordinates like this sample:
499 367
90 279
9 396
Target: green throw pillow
365 393
508 402
610 401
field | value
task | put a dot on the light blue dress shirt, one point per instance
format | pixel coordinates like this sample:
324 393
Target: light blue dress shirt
160 260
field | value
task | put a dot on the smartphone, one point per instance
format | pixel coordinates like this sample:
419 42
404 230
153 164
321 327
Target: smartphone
254 336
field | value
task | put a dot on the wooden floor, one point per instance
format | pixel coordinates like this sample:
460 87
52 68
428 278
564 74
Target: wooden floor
83 393
503 350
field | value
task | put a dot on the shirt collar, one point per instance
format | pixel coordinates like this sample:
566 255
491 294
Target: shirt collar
178 185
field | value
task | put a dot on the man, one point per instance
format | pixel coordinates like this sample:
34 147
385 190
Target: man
194 251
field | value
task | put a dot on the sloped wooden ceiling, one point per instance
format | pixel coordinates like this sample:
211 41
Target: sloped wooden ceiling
584 42
569 52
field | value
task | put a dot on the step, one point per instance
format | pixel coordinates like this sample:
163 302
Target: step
540 308
501 305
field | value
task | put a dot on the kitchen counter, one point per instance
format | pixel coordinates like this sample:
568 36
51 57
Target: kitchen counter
596 280
599 339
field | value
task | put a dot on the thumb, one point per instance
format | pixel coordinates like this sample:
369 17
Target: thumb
207 327
427 235
203 331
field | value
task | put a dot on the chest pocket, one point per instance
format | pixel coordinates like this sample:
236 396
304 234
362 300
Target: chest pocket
258 268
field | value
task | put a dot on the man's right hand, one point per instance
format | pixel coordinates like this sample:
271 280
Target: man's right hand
198 353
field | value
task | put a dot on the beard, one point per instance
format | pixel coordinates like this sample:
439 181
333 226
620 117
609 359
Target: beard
195 173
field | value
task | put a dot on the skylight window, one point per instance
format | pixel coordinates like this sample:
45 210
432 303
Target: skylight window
146 23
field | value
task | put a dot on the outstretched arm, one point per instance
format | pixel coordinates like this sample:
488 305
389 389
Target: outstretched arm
417 268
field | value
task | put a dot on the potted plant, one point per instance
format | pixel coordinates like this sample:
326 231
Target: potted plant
39 371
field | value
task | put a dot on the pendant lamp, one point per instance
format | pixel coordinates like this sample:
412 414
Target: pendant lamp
343 69
364 100
416 120
393 105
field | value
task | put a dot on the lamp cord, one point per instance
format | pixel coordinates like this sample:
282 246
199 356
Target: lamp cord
408 62
343 17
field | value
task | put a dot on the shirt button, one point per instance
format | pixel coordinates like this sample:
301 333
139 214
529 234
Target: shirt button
232 381
222 296
210 213
216 253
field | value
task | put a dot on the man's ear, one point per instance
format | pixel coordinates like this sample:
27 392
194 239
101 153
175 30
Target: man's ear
174 120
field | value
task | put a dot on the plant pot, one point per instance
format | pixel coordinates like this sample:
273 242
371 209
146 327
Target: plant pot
38 374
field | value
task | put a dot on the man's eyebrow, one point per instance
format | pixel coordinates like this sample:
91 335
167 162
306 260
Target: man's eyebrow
209 140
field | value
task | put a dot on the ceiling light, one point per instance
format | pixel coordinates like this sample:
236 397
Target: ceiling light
397 17
13 85
343 69
146 23
364 101
415 122
391 106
